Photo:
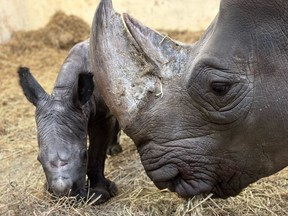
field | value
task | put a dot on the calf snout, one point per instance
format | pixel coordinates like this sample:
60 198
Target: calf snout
61 186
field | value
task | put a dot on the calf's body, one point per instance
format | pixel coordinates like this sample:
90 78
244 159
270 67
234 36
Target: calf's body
65 119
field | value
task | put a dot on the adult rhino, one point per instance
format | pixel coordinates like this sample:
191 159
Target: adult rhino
210 117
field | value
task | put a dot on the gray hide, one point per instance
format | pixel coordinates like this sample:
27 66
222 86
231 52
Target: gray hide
64 120
210 117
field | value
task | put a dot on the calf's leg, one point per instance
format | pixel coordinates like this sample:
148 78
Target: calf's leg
100 135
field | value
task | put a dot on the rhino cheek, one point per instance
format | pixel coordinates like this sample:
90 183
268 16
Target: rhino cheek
78 177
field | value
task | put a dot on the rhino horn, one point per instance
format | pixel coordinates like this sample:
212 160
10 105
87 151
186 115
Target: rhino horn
129 61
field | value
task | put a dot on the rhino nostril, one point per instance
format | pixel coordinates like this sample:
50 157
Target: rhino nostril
63 163
58 163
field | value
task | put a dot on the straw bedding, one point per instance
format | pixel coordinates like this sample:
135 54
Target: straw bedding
22 180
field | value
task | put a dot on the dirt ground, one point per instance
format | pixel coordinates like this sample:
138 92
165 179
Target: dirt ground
22 179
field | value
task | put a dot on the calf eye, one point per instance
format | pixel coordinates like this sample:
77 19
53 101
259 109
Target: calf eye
220 88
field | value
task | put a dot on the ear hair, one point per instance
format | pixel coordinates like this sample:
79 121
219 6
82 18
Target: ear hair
83 88
31 88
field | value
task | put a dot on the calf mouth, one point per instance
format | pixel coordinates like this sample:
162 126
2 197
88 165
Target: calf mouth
61 186
65 187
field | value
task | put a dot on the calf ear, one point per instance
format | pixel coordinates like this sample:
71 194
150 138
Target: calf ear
83 88
31 88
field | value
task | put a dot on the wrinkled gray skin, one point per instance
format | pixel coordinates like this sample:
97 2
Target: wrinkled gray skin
74 110
210 117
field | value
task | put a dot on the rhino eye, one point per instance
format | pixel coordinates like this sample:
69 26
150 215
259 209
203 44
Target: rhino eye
84 154
220 88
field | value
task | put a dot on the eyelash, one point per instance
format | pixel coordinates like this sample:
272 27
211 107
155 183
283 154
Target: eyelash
220 88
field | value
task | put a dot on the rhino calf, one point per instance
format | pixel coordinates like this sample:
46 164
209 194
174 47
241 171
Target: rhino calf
64 119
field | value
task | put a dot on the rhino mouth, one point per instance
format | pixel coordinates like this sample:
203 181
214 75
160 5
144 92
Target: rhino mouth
184 188
192 174
65 186
187 189
61 189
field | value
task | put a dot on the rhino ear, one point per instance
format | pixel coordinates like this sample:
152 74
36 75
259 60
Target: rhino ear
83 89
157 48
31 88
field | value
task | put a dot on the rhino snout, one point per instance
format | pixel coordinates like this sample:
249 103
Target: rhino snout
61 186
58 163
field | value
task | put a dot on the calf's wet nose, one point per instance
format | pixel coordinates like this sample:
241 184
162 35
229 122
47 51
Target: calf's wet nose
61 186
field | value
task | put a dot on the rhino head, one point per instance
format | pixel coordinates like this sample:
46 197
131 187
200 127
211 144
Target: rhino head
210 117
61 131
